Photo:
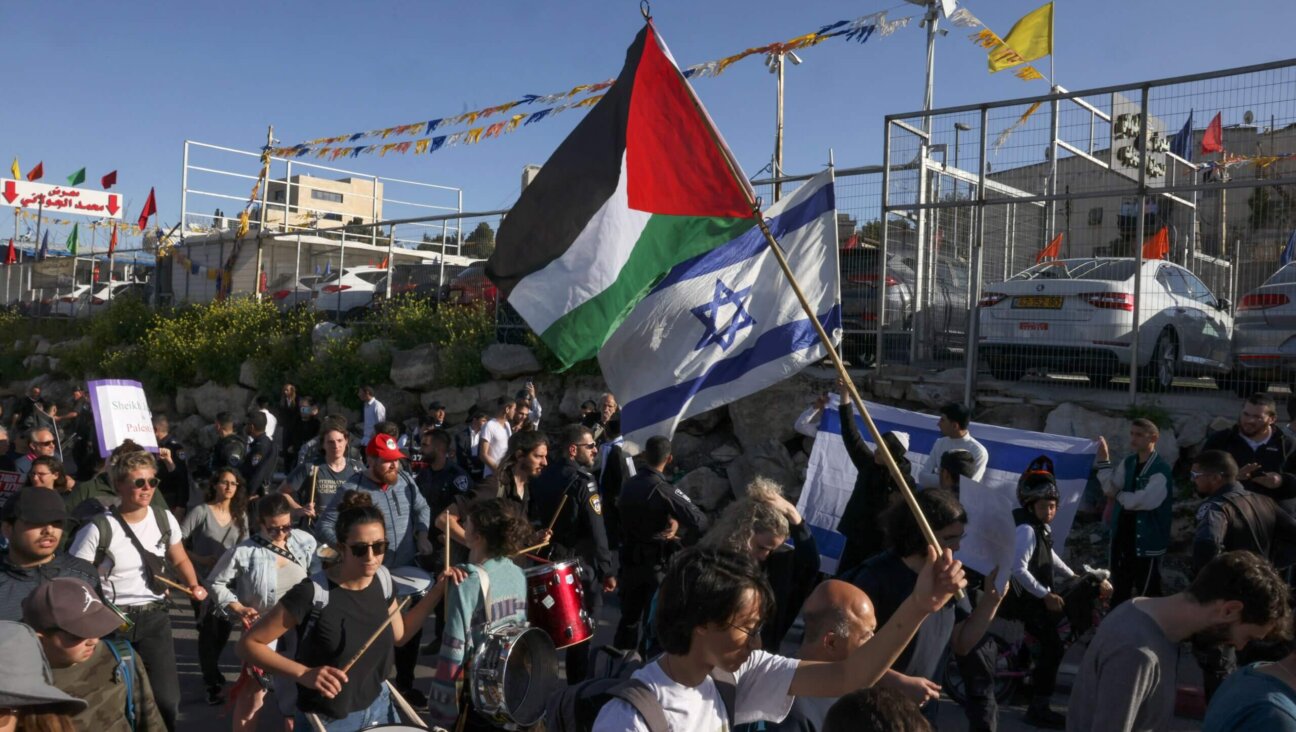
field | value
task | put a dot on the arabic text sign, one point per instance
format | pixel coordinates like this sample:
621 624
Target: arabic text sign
60 199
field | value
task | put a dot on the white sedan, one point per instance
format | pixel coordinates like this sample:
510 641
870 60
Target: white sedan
1077 316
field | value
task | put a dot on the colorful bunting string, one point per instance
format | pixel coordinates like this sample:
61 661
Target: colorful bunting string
859 30
989 40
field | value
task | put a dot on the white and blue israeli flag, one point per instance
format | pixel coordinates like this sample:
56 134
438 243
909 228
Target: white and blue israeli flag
726 324
830 479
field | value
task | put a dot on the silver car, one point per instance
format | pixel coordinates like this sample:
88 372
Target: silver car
1077 316
1264 340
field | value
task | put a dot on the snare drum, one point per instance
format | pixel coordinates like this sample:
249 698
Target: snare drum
513 674
556 603
408 581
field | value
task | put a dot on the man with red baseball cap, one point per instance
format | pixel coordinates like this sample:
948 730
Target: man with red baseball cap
407 517
69 619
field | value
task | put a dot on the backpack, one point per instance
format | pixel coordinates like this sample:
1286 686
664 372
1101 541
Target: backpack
102 523
125 673
319 582
575 708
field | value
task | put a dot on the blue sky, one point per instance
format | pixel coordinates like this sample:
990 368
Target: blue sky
122 85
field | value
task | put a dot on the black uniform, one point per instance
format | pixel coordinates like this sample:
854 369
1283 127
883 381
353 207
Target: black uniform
1234 518
175 483
579 534
647 504
1272 456
612 477
442 489
463 454
258 469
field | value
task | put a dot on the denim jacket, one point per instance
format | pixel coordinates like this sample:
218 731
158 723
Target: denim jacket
247 572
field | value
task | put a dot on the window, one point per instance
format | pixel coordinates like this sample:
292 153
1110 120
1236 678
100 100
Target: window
1197 289
1095 215
329 196
278 196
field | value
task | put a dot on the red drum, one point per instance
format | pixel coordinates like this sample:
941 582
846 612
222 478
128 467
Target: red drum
556 603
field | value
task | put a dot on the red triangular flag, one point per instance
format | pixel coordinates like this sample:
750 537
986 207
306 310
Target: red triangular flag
150 208
1052 251
12 256
37 172
112 242
1157 247
109 180
383 264
1213 138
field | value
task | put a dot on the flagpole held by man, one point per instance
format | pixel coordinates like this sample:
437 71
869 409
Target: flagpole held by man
643 183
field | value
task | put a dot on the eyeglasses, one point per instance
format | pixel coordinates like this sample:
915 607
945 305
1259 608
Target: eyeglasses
360 551
752 635
43 443
275 530
1195 474
150 482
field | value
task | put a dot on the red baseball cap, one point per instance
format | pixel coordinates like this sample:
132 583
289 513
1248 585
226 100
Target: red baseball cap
384 447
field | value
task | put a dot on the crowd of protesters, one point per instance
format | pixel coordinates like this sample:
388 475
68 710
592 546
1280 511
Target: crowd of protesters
294 529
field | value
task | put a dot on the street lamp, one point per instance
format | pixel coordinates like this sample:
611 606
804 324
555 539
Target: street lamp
959 127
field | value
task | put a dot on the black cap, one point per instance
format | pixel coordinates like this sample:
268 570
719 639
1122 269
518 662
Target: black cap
435 405
36 506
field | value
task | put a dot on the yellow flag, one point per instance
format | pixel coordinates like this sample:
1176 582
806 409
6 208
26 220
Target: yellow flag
1029 39
17 171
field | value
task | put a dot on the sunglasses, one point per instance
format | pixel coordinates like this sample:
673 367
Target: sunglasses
43 443
360 551
275 530
150 482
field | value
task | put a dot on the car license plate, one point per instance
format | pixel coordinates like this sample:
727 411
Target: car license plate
1043 302
1032 326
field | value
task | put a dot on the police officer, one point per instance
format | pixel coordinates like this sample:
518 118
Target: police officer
173 468
444 485
653 513
1230 518
578 531
231 448
258 469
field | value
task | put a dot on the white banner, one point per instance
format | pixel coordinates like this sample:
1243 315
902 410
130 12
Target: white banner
121 413
60 199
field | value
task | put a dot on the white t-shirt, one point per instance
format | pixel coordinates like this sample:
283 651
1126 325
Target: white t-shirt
762 695
930 476
497 436
123 580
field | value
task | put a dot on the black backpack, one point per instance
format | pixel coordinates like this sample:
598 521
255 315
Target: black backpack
575 708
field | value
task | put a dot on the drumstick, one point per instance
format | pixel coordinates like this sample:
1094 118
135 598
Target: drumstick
375 635
405 706
447 539
176 585
315 721
541 545
557 513
314 480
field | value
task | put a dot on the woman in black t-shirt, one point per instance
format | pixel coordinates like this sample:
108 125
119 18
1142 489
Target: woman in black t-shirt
359 602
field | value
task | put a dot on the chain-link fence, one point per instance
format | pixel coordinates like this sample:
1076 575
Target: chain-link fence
1111 235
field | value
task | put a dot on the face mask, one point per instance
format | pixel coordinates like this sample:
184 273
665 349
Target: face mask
306 411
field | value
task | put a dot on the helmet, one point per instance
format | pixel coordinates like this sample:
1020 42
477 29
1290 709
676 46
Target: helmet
1038 482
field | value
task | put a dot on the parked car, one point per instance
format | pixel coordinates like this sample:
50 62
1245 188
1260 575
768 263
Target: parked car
109 292
71 304
1077 315
861 274
288 294
1264 334
472 287
348 293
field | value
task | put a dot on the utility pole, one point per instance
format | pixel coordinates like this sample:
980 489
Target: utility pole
778 127
265 194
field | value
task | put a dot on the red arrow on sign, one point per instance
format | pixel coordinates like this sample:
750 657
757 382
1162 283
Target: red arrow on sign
112 204
10 191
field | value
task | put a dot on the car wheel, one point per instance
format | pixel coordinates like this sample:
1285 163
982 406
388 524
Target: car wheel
1006 369
1159 373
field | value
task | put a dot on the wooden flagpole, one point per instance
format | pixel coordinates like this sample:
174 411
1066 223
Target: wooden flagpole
894 468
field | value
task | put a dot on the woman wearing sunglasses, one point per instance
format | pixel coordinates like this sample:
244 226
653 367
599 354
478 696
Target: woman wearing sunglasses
249 579
210 529
131 545
357 598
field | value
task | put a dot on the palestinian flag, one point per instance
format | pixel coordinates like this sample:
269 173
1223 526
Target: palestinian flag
643 183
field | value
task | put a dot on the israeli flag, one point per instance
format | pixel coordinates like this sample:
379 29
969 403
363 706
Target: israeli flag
726 324
830 479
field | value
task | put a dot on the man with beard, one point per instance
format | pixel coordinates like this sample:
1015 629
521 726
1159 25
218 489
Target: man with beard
33 525
1260 450
407 518
1231 518
578 531
1127 679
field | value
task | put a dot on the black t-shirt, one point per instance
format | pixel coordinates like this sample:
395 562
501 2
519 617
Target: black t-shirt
327 482
343 626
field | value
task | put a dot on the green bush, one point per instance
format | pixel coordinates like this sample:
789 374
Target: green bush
339 371
460 334
200 342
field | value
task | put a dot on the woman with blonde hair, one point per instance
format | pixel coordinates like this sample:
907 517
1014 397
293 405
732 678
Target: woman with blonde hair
759 525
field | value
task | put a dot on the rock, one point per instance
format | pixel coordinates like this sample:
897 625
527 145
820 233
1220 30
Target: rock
1019 416
247 374
53 363
688 450
509 360
726 453
42 347
771 413
401 405
35 362
708 489
324 334
211 399
704 423
335 406
377 350
580 389
458 400
415 368
64 347
1076 421
184 402
933 394
769 459
188 431
1220 423
1190 431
